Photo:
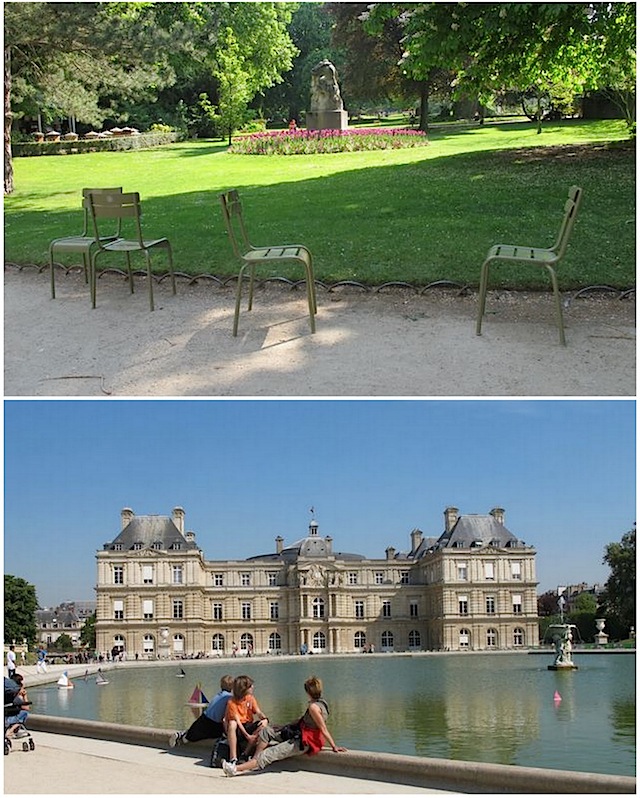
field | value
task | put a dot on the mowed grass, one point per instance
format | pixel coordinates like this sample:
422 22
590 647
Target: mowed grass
416 215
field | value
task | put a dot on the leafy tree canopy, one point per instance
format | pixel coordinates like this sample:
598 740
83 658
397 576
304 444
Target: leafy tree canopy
619 597
20 606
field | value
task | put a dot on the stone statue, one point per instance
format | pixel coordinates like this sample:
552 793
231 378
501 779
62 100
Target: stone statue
325 93
327 110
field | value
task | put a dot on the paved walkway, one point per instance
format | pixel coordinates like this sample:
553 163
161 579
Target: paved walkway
62 764
394 343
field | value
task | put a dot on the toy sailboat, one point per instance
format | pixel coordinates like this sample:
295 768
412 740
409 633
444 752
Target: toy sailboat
64 682
100 678
198 698
181 675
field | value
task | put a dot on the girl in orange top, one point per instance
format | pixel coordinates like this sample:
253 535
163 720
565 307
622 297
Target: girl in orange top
242 707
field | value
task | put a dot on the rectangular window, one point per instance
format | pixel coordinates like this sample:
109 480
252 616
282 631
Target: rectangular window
413 609
218 580
516 570
176 574
490 603
147 609
274 611
216 610
462 571
386 609
245 580
272 578
353 577
118 574
463 605
246 610
489 570
178 610
378 577
359 608
147 574
517 604
118 610
404 577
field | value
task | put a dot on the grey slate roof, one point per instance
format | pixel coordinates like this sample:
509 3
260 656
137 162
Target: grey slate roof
472 531
150 529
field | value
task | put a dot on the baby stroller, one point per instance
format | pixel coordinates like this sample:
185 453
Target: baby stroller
15 716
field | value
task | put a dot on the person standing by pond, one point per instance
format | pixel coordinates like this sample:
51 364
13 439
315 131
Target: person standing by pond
209 725
307 736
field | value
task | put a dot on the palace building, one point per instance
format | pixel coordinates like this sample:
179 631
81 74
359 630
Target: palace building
473 587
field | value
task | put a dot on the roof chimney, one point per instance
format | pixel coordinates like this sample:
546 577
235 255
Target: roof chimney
450 518
279 542
329 542
126 515
498 514
416 540
177 516
390 552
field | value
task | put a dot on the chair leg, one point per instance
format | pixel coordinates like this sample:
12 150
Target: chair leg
482 294
236 315
85 264
149 278
92 279
558 301
129 271
311 295
252 279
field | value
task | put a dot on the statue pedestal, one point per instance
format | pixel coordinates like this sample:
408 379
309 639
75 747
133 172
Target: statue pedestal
327 120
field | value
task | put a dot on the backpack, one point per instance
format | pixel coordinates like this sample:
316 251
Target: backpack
219 752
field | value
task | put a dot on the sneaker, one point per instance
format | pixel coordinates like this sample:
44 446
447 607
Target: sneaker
176 739
229 768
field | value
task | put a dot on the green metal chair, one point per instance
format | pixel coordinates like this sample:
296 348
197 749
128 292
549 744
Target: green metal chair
532 256
82 243
126 209
258 256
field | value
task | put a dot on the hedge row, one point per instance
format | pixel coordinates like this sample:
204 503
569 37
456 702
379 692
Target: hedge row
115 144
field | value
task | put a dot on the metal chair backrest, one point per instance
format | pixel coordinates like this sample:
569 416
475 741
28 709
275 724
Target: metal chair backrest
116 205
234 221
570 210
86 206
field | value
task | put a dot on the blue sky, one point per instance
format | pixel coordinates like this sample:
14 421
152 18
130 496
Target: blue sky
247 471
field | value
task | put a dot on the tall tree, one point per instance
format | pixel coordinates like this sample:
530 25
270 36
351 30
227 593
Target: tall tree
20 606
619 597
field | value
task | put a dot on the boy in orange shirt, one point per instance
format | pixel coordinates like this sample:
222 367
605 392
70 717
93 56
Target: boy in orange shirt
242 707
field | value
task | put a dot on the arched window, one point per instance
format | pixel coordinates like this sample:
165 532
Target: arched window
464 638
246 640
217 643
359 640
414 639
492 638
275 642
319 640
148 644
318 608
387 640
518 636
178 644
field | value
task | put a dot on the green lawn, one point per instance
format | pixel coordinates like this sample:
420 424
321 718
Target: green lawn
414 215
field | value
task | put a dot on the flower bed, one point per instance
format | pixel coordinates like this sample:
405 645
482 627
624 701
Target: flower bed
313 142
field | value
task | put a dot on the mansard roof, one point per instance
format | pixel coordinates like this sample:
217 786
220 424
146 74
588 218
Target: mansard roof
151 532
477 531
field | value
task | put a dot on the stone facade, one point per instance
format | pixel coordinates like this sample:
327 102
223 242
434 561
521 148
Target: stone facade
473 587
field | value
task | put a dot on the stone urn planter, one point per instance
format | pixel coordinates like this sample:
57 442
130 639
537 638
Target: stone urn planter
52 135
38 137
70 137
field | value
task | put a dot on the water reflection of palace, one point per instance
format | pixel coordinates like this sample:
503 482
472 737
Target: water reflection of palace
473 587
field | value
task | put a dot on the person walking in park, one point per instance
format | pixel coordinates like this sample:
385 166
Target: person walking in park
41 664
307 736
209 725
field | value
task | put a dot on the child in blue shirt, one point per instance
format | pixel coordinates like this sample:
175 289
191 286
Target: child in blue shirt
209 725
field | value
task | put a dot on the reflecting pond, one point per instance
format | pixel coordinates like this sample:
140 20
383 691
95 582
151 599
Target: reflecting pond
483 707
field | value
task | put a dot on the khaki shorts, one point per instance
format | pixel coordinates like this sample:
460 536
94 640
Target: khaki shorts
277 752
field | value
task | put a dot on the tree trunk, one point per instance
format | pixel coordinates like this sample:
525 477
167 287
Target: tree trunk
424 106
8 116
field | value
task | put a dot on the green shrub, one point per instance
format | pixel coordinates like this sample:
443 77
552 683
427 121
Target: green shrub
115 144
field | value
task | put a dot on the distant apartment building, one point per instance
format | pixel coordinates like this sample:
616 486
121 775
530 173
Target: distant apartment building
473 587
67 618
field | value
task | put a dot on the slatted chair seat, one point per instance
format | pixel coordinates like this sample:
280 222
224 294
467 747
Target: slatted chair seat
83 243
251 256
546 258
126 208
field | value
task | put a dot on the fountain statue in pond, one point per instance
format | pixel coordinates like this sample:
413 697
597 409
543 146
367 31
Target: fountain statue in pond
327 110
562 637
